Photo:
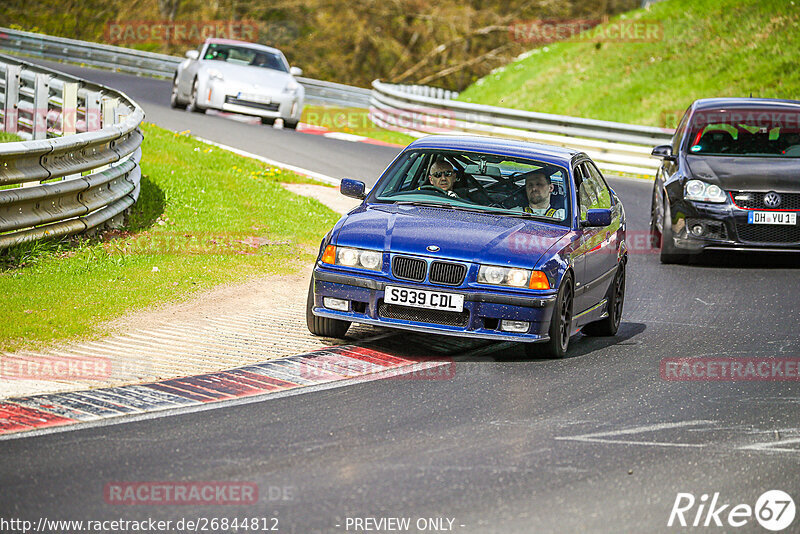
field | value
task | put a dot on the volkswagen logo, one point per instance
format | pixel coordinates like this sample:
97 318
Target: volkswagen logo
433 248
772 200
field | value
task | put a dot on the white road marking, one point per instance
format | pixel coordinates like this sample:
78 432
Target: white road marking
299 170
773 446
603 437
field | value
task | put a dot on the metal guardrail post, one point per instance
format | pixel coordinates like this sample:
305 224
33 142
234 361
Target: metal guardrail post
93 100
11 108
69 108
41 98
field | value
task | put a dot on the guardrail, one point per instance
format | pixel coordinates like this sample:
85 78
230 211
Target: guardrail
420 110
78 167
151 64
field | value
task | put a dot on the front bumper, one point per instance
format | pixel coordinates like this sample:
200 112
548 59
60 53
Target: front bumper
726 227
225 96
483 310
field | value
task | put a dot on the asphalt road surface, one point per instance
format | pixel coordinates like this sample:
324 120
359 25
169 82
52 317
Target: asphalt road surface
597 442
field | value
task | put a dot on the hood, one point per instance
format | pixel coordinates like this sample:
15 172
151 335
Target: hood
460 235
747 173
244 74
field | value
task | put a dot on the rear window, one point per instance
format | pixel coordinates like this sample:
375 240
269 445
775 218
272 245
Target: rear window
743 132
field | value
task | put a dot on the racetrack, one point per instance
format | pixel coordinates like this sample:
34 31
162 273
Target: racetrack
597 442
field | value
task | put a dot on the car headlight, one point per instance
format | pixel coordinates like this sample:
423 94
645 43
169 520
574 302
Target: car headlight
291 87
353 257
215 74
512 277
703 192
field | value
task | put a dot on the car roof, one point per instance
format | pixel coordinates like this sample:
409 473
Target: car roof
765 103
248 44
507 147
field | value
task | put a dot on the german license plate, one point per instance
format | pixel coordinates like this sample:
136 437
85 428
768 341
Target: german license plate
250 97
771 217
420 298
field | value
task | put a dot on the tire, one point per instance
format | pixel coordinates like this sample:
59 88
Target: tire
616 299
560 325
669 254
323 326
193 100
174 102
292 125
267 120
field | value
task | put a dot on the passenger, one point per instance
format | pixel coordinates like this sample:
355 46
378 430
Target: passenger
538 189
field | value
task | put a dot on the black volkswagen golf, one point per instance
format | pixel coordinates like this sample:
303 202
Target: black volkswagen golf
729 180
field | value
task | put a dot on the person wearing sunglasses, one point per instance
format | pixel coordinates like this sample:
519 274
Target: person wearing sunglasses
442 176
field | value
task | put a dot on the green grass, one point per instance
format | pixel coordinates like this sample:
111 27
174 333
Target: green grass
204 217
9 137
353 121
709 48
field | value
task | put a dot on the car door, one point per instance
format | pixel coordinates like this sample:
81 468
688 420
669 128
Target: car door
600 243
581 300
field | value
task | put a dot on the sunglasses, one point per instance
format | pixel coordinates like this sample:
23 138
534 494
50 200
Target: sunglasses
442 173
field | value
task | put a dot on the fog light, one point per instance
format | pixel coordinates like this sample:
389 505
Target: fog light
514 326
697 229
336 304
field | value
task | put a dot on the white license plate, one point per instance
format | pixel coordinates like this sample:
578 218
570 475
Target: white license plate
255 98
771 217
420 298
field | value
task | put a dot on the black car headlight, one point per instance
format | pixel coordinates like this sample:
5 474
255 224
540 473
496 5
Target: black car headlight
703 192
353 257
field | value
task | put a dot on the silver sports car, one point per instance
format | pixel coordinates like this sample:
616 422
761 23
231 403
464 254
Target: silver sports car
239 77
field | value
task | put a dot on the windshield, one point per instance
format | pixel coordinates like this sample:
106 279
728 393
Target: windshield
242 55
743 132
480 182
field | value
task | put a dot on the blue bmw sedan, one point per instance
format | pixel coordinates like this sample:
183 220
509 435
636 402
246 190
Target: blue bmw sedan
478 237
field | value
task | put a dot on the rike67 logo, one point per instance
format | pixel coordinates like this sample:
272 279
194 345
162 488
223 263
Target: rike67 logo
774 510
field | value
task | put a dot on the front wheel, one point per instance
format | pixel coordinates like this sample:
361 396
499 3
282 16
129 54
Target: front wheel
193 106
323 326
616 298
560 325
669 253
174 102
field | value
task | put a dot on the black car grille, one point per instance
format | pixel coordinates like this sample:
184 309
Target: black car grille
768 233
711 229
451 274
420 315
408 268
789 201
249 103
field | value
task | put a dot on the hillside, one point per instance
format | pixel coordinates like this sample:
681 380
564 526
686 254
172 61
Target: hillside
708 48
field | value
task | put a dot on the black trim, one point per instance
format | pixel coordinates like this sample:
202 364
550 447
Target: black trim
489 298
596 281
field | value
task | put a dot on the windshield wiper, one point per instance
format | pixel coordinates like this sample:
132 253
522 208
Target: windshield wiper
424 204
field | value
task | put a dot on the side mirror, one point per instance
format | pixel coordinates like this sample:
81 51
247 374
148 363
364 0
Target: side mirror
352 188
597 218
663 151
192 54
295 71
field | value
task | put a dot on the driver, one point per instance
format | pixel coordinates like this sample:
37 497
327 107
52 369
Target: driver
538 189
442 175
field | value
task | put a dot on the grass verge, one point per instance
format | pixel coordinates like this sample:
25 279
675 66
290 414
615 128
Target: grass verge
204 217
6 137
354 121
708 48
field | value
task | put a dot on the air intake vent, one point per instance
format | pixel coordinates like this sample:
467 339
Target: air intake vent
406 268
450 274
